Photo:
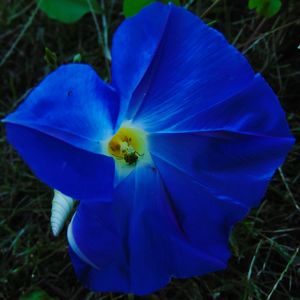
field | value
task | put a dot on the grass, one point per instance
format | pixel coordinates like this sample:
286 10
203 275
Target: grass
266 259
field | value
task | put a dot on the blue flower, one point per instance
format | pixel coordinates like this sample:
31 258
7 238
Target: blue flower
164 160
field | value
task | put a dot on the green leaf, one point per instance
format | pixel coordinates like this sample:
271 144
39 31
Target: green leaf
266 8
36 295
77 58
132 7
68 11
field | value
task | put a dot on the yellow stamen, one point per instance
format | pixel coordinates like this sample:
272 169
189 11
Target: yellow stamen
127 145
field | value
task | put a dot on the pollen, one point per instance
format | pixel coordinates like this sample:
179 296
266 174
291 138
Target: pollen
127 145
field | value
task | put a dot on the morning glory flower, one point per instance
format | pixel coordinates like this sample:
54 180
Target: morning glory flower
164 160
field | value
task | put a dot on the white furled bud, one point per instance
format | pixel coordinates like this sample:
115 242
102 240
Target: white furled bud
61 207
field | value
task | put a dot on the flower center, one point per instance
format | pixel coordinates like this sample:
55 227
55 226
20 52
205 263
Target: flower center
127 146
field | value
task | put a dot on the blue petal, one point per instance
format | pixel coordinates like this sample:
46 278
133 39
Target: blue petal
191 68
97 235
134 45
75 172
232 166
205 217
255 110
152 231
72 104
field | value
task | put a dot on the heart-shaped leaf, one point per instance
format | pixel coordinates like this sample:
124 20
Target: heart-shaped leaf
68 11
266 8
